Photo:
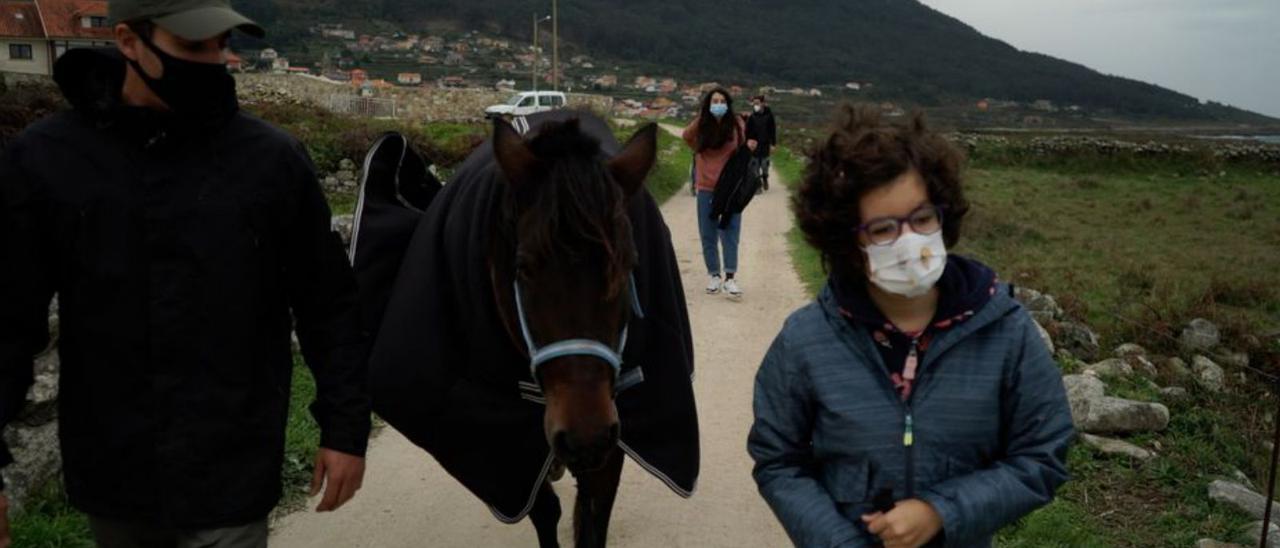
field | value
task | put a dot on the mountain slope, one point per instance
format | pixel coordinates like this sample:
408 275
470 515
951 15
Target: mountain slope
906 48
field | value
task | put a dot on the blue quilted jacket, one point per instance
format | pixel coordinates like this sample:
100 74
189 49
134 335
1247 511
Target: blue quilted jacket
983 437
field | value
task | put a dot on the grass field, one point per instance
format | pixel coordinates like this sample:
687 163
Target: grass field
1136 255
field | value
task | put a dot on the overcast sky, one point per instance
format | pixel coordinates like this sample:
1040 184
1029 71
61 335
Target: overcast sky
1222 50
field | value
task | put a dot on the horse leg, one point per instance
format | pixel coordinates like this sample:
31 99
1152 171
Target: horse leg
545 515
596 493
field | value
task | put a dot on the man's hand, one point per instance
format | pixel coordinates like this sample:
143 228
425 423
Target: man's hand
752 144
910 524
5 541
340 474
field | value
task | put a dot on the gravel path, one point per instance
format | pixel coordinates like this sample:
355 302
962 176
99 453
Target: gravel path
409 501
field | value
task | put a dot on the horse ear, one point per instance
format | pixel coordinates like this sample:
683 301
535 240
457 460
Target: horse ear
632 165
518 163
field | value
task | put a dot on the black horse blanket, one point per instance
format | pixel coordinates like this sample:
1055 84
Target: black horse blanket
446 373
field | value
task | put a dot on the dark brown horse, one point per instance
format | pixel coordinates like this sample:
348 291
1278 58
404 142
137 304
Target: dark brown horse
511 297
574 255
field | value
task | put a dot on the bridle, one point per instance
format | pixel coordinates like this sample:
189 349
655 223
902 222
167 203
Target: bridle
539 356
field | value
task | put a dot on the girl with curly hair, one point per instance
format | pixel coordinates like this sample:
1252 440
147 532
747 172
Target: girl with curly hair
914 403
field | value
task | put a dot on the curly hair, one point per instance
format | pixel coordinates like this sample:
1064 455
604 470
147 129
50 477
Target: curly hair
714 132
863 153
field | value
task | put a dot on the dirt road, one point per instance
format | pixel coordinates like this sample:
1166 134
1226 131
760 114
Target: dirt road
409 501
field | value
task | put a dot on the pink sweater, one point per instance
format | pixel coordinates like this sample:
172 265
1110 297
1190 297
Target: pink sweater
710 163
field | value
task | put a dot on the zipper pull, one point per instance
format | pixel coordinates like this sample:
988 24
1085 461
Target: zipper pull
909 370
907 438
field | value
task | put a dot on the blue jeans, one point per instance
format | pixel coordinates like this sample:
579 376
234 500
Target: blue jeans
713 237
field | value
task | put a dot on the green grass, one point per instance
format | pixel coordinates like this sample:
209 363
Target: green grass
1136 256
672 172
49 521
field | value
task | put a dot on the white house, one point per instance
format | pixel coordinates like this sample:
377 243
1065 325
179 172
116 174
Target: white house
34 33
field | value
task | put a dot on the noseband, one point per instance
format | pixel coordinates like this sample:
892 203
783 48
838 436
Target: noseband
576 347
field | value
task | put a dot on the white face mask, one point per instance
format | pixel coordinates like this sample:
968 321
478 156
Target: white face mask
759 108
910 266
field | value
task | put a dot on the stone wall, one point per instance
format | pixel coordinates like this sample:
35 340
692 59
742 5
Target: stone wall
425 104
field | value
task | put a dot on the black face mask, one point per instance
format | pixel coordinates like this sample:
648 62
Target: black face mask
196 92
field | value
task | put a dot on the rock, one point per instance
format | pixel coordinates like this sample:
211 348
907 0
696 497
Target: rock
1042 307
344 225
1210 543
1174 393
42 398
1081 341
347 164
1128 350
1142 366
1200 335
1108 415
1239 496
36 459
1208 375
1109 446
1174 369
1081 390
1254 532
1244 480
1044 335
346 177
1237 360
1110 368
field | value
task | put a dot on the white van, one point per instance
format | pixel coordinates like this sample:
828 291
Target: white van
526 103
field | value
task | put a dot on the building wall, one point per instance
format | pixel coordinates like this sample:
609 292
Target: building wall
38 64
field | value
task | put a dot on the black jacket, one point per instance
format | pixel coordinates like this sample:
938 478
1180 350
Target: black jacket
762 127
178 253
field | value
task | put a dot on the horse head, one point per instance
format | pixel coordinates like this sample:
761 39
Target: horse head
574 256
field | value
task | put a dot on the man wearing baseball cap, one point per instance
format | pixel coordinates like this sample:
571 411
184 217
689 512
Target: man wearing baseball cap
185 239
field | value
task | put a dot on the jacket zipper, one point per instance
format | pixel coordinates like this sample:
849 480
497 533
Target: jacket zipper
908 434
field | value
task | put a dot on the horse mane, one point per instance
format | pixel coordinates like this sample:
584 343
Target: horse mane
574 211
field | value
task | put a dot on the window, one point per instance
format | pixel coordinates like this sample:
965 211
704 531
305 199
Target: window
528 101
557 101
93 22
20 52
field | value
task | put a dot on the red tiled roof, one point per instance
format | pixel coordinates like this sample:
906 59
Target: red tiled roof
62 18
20 20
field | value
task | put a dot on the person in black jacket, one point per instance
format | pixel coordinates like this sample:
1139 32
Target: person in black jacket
185 240
763 129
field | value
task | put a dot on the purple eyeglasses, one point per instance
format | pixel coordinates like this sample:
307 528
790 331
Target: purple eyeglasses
926 220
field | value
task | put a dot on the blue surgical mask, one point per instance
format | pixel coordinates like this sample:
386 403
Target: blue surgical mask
719 110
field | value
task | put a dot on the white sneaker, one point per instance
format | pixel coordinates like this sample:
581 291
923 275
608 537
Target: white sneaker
713 286
731 287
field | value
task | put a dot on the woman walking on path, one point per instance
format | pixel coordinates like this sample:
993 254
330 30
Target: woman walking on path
914 403
714 136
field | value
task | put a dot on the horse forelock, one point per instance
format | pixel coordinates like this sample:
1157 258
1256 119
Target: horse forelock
576 210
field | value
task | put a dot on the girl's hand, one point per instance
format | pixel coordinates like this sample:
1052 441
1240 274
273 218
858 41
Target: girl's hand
910 524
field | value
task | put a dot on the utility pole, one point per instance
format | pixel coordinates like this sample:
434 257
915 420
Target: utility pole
555 45
535 52
536 56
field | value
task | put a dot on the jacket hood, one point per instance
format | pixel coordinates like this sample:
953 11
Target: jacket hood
91 78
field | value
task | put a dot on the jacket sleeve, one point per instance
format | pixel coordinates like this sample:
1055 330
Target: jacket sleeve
326 312
26 287
780 444
773 131
1037 422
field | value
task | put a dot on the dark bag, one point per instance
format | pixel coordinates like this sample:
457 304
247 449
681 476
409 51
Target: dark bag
735 188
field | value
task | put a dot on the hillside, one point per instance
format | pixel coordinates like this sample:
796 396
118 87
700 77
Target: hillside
909 51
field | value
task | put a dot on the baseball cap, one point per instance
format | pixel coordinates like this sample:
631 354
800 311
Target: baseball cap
189 19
